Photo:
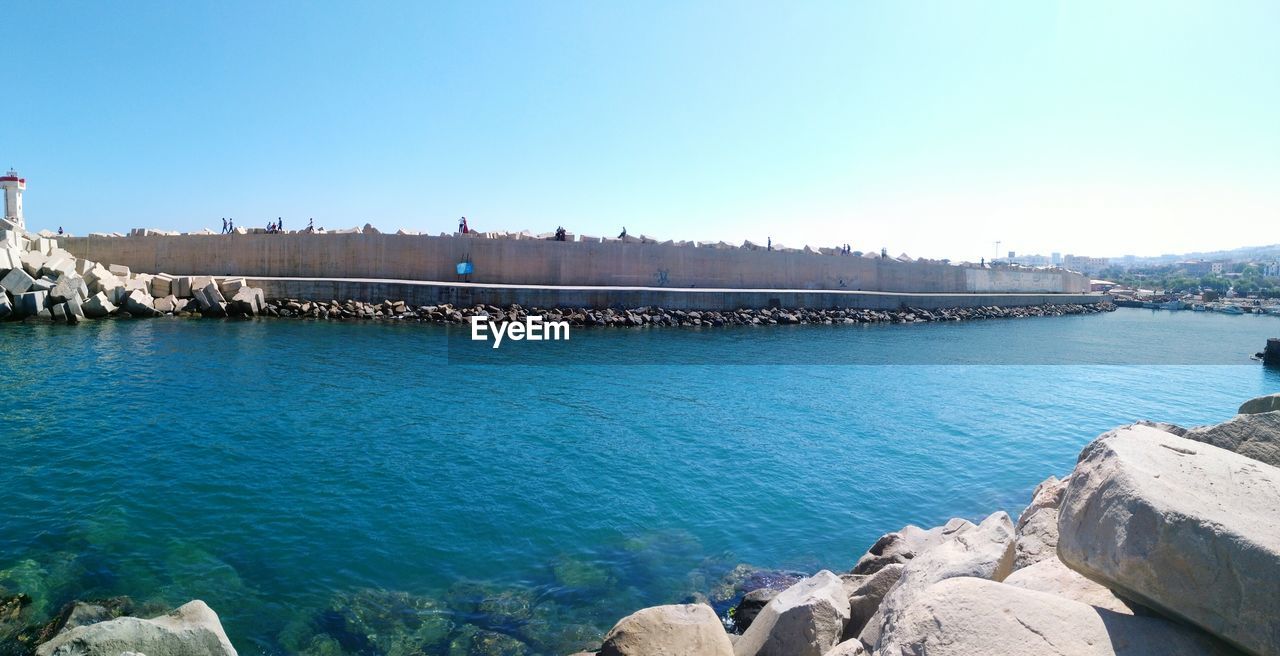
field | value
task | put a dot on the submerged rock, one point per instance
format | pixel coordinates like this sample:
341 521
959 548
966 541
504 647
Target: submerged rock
372 620
1185 528
191 630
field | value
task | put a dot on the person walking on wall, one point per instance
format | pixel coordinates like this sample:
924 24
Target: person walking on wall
224 225
311 224
279 224
770 247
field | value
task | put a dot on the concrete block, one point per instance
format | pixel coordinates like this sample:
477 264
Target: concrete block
10 259
74 310
68 287
183 289
166 304
200 298
42 284
212 293
119 269
6 306
161 285
245 302
33 262
30 304
98 306
230 286
59 311
17 281
139 304
85 266
9 238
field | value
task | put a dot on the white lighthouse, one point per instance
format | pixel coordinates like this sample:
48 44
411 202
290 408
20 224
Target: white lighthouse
13 188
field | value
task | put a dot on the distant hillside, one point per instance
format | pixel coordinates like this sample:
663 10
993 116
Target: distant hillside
1244 253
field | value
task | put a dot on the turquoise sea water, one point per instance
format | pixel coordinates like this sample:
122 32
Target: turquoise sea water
311 480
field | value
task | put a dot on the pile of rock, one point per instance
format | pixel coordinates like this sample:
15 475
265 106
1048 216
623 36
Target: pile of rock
1163 540
656 316
39 279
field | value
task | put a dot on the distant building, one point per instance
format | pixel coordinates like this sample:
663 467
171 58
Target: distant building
1196 267
1272 269
1057 259
1216 268
1086 265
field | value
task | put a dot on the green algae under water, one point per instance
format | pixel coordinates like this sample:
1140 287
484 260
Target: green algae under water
350 488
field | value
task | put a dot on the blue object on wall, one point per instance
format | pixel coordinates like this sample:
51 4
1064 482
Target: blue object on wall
464 268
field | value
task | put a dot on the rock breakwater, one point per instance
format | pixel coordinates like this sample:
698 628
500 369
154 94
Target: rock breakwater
656 316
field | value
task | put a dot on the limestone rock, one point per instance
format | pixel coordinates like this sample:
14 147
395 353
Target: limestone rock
674 630
967 616
847 648
806 619
1051 576
1037 529
1164 426
191 630
865 598
1269 403
752 603
1253 435
901 546
986 552
1185 528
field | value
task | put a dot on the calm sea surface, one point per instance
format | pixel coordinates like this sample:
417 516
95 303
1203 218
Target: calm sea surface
318 482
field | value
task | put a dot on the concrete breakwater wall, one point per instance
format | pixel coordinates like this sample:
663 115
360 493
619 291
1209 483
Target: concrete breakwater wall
464 295
552 263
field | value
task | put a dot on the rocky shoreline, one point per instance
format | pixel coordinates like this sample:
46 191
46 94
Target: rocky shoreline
41 282
1162 540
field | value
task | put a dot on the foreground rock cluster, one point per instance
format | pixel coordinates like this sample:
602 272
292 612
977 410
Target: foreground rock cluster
1162 541
656 316
39 279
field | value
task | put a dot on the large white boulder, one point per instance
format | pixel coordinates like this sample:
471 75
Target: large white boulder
806 619
1185 528
907 543
1037 529
1253 435
191 630
676 630
985 551
973 617
865 595
1051 576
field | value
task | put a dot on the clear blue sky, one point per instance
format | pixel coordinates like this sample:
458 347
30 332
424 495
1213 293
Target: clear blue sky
933 128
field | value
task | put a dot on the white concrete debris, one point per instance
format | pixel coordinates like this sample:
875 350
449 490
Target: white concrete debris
39 279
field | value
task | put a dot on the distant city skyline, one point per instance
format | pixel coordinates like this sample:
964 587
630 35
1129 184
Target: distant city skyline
934 129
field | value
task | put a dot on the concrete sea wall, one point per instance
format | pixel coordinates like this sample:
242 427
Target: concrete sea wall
510 261
470 294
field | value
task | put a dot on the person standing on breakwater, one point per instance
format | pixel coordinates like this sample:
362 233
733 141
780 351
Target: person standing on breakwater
279 224
770 248
462 225
224 225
